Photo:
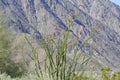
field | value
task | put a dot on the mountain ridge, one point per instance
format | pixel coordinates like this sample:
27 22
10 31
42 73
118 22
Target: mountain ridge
44 17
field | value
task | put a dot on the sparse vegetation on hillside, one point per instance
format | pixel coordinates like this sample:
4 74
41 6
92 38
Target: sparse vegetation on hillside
56 67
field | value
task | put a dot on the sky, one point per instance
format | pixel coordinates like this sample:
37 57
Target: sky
116 1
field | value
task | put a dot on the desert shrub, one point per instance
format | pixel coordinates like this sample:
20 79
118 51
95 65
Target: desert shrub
108 74
7 65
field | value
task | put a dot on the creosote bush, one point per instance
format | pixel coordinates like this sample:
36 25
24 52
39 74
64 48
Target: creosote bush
108 74
7 65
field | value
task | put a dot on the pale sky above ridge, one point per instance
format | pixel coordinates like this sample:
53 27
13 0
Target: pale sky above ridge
116 1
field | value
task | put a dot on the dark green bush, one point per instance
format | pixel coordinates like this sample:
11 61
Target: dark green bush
9 67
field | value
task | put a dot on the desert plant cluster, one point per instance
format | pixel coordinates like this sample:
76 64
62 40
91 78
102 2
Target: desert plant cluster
56 64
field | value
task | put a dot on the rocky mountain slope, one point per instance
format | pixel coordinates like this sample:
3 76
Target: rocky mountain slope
45 17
